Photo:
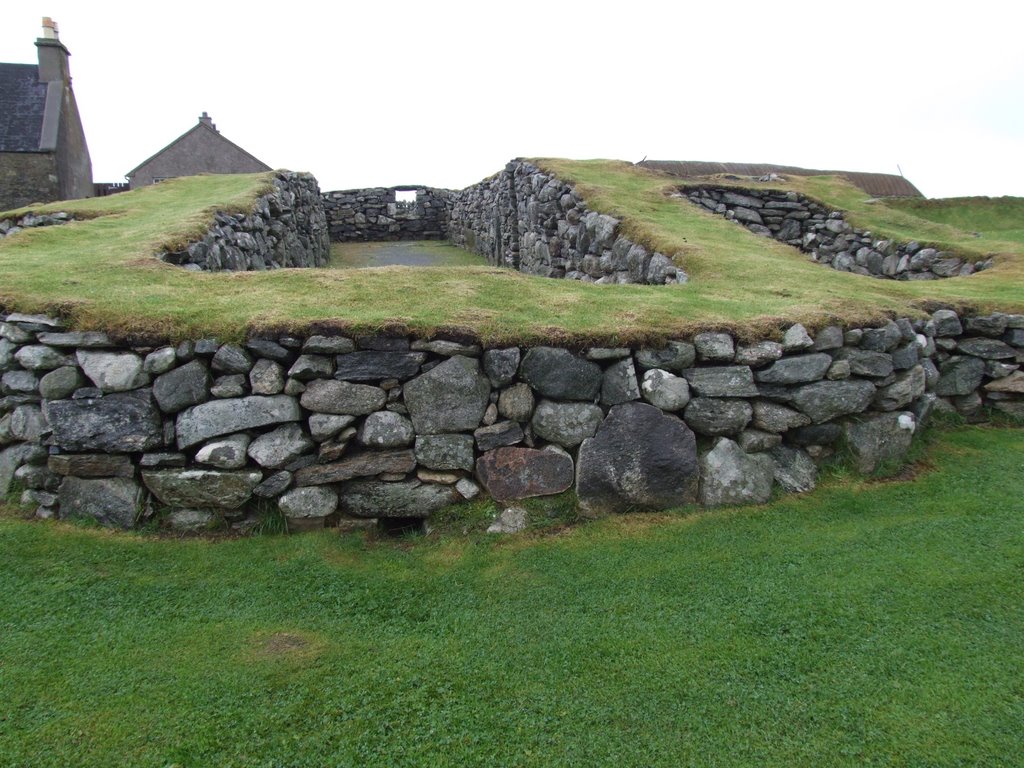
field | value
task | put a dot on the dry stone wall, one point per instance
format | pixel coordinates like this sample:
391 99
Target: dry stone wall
375 214
530 221
12 226
286 228
827 236
352 431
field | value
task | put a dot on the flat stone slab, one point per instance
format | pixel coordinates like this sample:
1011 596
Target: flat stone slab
520 473
111 501
377 366
363 465
411 498
92 465
224 417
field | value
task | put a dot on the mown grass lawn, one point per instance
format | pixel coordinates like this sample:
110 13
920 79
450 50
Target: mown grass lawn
864 624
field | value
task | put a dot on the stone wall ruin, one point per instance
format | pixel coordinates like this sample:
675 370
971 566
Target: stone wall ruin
356 431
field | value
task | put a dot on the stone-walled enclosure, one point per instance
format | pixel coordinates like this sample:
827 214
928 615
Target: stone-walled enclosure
376 214
286 228
827 237
347 431
528 220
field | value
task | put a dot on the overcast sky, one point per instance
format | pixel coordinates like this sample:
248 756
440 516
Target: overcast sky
443 93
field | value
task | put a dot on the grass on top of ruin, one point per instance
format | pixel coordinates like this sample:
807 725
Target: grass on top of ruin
103 273
865 623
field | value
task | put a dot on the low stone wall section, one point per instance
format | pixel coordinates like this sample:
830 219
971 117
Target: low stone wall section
827 236
525 219
31 220
286 228
349 431
374 214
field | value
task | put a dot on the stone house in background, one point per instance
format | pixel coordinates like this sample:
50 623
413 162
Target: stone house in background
202 149
43 153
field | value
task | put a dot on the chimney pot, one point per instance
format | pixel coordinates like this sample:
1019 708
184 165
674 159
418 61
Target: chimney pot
50 31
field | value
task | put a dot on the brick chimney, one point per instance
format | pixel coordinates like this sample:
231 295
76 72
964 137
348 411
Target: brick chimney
53 56
206 120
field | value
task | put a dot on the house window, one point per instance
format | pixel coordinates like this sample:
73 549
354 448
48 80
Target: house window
405 197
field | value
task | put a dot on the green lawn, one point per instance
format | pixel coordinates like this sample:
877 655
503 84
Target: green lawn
864 624
406 253
102 273
987 218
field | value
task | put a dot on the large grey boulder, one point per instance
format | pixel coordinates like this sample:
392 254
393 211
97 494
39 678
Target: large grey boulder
223 417
714 347
827 400
640 458
231 358
119 423
410 498
445 452
342 398
451 397
713 416
202 488
182 387
111 501
113 371
267 378
960 376
278 448
875 439
561 375
566 424
988 349
865 362
758 353
722 381
795 470
385 429
799 369
619 385
519 473
729 476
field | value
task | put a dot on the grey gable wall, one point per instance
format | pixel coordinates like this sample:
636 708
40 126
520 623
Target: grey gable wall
200 150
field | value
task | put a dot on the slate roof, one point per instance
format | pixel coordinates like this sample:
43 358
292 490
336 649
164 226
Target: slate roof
22 103
875 184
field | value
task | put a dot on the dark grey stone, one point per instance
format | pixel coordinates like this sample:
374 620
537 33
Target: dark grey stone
310 367
504 433
183 387
795 471
619 385
377 366
988 349
559 374
796 370
959 376
202 488
866 363
328 345
729 476
875 439
639 458
759 353
501 365
312 501
227 453
445 452
273 486
675 357
773 417
91 465
232 385
815 434
223 417
367 464
411 498
724 381
566 424
451 397
711 416
278 448
385 429
665 390
231 358
830 337
714 347
881 339
270 350
796 339
826 400
947 323
113 371
908 386
38 357
516 402
342 398
111 501
117 423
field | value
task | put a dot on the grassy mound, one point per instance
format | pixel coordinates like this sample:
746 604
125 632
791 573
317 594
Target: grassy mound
862 624
103 274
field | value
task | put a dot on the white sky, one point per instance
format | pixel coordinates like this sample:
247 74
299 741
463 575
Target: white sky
444 93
